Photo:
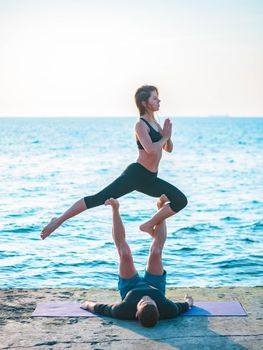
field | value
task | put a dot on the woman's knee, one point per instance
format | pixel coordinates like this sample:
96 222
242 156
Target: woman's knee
184 201
179 203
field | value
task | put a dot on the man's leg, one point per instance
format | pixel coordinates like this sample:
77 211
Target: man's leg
154 264
126 266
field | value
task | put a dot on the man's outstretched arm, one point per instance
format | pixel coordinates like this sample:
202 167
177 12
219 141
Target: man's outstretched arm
98 308
172 309
121 310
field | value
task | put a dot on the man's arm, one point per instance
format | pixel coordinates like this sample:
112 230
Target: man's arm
122 310
98 308
170 309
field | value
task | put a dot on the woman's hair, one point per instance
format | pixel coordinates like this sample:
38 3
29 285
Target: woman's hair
142 95
148 315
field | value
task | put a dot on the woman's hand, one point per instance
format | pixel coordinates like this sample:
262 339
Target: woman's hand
167 129
167 126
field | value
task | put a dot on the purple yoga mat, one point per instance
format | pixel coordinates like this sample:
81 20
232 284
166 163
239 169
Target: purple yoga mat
200 308
61 309
216 308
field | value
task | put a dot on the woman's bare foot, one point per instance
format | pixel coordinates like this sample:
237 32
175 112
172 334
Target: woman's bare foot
113 202
51 227
146 227
161 201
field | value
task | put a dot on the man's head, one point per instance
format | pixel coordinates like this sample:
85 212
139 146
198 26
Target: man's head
147 312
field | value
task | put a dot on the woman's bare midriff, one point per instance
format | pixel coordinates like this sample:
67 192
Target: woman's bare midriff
149 161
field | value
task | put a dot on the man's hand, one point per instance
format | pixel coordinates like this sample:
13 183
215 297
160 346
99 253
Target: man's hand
189 300
88 305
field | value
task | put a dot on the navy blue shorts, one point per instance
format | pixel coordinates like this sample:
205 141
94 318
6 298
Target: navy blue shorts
157 281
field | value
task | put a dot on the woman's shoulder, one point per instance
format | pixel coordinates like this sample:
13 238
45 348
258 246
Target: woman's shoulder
140 124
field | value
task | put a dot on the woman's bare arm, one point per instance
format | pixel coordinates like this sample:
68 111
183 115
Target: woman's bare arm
143 135
168 147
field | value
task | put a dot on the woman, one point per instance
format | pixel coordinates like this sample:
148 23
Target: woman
142 175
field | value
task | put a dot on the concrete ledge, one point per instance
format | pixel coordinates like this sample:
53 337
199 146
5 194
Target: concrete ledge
18 330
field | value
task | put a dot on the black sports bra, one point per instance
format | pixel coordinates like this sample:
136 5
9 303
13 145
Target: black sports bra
154 135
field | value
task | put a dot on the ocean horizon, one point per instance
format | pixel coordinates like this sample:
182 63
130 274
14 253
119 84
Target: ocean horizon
47 164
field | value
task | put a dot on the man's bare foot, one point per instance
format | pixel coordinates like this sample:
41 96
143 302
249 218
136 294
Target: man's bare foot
161 201
52 226
147 228
113 202
189 300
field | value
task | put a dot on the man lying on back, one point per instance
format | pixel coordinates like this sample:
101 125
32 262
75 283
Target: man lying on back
143 298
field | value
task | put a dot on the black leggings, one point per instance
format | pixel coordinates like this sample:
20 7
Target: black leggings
138 178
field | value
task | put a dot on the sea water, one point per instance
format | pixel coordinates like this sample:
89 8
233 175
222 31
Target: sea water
47 164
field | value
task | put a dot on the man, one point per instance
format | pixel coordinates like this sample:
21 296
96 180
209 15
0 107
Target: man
142 298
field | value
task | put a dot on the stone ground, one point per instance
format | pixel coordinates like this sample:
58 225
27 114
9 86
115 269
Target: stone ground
18 330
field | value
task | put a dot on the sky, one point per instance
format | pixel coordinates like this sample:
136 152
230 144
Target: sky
88 57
